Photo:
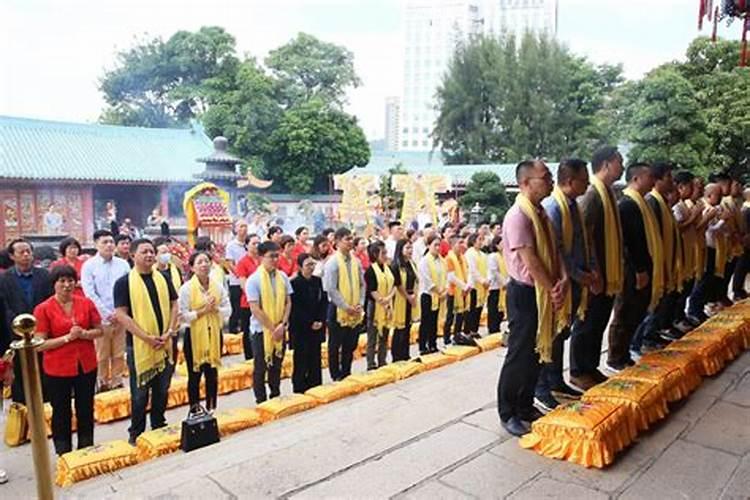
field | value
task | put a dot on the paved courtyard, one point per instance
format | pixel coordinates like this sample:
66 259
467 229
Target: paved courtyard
435 436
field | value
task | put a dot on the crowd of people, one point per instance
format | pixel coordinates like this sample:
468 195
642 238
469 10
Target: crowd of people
570 258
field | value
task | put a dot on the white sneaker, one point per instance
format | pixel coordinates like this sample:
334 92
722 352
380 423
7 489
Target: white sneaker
3 476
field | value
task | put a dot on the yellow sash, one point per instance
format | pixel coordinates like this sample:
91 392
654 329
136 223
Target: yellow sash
480 259
689 252
205 332
670 245
699 249
736 224
504 275
460 269
174 275
348 290
612 240
273 303
385 282
438 276
567 239
149 361
400 303
653 241
549 323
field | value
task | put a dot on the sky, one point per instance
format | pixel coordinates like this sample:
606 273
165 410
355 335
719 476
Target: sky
52 52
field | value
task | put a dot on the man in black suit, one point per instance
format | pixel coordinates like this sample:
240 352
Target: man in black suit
22 288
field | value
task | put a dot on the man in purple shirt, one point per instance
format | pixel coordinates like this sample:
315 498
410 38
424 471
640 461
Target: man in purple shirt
518 377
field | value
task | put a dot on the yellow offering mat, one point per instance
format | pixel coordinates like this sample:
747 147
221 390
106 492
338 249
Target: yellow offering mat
403 369
712 353
232 343
237 419
234 378
373 378
285 405
92 461
436 360
733 343
112 405
414 333
645 400
159 442
177 394
589 434
490 342
673 383
687 361
461 352
328 393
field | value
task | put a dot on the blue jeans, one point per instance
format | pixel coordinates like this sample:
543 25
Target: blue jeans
157 388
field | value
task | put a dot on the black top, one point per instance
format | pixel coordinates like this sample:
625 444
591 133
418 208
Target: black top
634 240
14 302
411 277
371 280
309 304
122 297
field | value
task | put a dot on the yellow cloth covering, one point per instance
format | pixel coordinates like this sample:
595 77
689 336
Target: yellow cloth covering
112 405
205 331
489 342
461 352
235 378
732 342
350 291
237 419
177 393
687 361
92 461
149 361
589 434
16 425
711 352
436 360
373 378
283 406
273 302
670 377
152 444
612 239
404 369
737 321
232 343
654 243
645 400
337 390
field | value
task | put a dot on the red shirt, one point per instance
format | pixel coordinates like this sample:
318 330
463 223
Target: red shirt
77 266
364 259
52 320
244 268
288 267
298 249
445 247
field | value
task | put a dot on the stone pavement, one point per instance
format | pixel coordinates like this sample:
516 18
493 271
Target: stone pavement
437 435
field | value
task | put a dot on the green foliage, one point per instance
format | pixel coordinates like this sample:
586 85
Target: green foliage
311 143
390 199
500 102
486 189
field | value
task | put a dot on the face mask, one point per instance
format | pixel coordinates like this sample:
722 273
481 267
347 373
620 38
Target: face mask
165 258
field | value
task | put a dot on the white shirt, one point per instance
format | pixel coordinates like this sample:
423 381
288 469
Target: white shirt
390 248
98 278
187 316
419 248
234 252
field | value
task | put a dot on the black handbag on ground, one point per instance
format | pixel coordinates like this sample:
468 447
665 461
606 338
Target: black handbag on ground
199 429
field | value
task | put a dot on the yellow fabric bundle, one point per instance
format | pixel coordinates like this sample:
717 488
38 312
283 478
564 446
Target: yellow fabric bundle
489 342
93 461
16 425
404 369
461 352
686 361
181 369
234 378
436 360
654 243
283 406
112 405
670 377
336 390
589 434
237 419
645 400
736 321
177 394
711 353
159 442
732 342
373 378
232 343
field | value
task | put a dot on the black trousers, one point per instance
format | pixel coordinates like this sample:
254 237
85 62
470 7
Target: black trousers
157 389
586 336
740 272
681 302
518 376
494 314
454 321
307 372
706 286
428 324
194 377
342 341
235 293
247 346
400 340
631 307
473 314
260 368
81 388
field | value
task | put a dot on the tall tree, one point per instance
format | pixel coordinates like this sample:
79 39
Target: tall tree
486 189
307 68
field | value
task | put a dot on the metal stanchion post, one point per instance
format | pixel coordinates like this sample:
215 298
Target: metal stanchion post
24 326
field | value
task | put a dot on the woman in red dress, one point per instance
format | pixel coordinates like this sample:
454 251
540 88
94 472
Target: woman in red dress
287 260
69 323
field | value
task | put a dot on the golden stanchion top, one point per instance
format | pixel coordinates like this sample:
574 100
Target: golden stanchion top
24 326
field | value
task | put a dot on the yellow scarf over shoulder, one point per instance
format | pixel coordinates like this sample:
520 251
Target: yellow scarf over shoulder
549 322
480 260
612 240
149 361
654 243
736 249
400 303
205 332
174 275
567 239
698 249
460 269
273 302
438 275
670 244
384 277
504 274
349 290
688 248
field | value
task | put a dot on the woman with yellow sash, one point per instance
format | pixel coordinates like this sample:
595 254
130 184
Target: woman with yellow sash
479 280
406 301
381 291
433 287
458 293
204 306
498 281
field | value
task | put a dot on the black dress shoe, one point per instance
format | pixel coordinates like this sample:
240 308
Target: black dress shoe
531 415
462 339
514 427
